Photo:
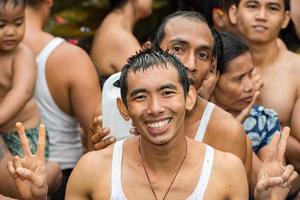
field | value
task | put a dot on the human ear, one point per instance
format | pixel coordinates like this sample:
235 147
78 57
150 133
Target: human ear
190 98
287 18
232 12
123 109
147 45
217 16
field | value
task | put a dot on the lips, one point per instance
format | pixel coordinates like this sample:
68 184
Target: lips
259 28
9 42
158 127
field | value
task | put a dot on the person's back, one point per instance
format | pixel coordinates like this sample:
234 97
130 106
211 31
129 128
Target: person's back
114 41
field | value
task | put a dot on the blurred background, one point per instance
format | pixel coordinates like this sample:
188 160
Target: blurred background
77 20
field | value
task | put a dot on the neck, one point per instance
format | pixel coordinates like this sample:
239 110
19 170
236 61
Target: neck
163 159
214 100
127 16
264 54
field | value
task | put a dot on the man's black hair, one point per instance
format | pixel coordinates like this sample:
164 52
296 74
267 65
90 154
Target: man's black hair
150 58
158 35
286 4
233 47
15 2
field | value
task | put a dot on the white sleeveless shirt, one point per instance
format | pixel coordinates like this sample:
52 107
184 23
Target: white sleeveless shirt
204 121
64 137
116 183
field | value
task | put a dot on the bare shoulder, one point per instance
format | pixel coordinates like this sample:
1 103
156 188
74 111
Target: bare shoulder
227 124
95 167
23 51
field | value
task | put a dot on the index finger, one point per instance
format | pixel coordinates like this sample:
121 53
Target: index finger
23 139
42 141
282 144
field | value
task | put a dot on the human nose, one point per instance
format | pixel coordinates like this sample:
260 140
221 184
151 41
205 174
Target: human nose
155 106
10 31
249 85
190 62
261 14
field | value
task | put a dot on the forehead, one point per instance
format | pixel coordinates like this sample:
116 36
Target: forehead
192 31
152 77
10 11
240 64
279 2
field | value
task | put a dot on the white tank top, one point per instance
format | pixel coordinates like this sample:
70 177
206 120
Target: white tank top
204 121
64 137
116 182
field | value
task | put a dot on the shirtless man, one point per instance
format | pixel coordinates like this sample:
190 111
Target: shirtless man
259 22
189 38
114 41
67 91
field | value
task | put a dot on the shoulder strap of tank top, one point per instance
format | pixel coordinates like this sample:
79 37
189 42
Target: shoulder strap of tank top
205 174
116 185
204 121
48 49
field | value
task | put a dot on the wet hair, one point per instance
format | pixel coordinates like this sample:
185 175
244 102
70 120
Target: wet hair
15 2
286 4
159 33
116 4
232 47
150 58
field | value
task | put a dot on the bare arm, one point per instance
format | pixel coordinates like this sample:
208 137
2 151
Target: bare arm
293 143
23 82
84 90
237 185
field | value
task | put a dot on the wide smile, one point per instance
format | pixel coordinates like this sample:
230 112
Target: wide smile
158 127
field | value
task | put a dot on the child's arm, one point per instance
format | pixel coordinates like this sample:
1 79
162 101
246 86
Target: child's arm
23 82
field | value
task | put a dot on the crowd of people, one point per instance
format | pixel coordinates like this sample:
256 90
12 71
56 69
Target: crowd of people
207 108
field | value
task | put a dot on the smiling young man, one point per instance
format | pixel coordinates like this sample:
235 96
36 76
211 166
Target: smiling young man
162 162
259 22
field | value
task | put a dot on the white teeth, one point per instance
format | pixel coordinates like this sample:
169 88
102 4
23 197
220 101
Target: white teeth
159 124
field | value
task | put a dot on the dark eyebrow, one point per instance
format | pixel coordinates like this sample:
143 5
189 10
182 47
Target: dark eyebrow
168 86
179 41
136 91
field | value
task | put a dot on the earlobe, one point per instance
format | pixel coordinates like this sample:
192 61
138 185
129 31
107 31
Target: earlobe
191 98
233 14
123 109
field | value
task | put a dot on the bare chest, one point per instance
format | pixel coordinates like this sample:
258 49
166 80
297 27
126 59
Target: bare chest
278 93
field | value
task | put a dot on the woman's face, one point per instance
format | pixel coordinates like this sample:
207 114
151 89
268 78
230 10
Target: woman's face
235 88
295 15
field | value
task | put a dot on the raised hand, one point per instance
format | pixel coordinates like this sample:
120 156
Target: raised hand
274 179
245 112
29 172
258 83
98 134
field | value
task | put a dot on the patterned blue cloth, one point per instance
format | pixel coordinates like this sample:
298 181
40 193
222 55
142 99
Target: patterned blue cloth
260 126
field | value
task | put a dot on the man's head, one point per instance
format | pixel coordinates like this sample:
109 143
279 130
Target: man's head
155 94
187 35
235 87
260 21
12 25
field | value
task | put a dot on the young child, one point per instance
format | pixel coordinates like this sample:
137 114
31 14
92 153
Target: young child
18 72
